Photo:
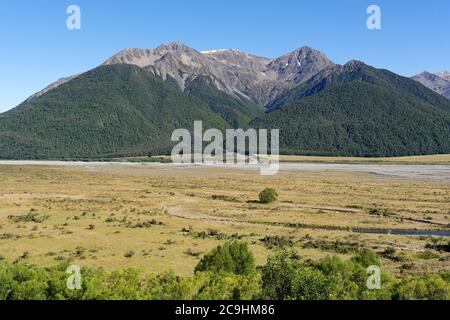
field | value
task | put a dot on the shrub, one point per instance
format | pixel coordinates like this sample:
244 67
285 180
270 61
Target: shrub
277 241
225 286
430 287
311 284
129 254
426 255
32 216
234 257
192 253
380 212
366 258
391 254
268 195
335 246
277 276
283 277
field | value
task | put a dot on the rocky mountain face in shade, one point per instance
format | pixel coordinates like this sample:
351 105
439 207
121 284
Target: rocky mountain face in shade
438 82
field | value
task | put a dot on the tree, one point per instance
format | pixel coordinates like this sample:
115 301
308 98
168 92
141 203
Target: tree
366 258
268 195
277 276
430 287
234 257
311 284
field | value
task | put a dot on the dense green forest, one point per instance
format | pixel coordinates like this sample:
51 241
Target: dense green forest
115 110
227 272
360 118
356 71
238 112
123 110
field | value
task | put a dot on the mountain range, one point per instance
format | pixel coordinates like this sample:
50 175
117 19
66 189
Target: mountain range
130 105
232 71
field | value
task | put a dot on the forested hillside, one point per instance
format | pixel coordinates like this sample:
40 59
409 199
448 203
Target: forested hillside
113 110
124 110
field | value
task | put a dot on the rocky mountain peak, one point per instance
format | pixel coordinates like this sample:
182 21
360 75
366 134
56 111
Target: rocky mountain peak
232 71
444 74
299 65
354 65
438 82
237 58
427 75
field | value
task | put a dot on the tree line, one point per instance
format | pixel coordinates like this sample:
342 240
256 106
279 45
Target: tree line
227 272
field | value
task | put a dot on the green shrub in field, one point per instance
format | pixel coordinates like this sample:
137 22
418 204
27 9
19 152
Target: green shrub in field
268 195
234 257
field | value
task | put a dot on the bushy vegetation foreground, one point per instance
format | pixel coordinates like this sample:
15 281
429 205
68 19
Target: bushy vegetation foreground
227 272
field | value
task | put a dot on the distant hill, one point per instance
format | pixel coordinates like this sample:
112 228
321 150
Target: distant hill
361 111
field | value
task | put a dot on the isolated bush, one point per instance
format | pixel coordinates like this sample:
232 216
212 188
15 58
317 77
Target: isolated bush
268 195
129 254
234 257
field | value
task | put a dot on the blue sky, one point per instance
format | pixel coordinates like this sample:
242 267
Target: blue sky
37 48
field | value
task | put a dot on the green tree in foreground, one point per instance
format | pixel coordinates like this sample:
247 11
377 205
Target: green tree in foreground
268 195
284 278
429 287
234 257
277 276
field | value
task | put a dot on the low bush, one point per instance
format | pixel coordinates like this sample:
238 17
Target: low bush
234 257
268 195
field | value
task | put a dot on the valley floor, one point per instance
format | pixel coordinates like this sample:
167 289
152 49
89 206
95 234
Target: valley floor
428 159
164 217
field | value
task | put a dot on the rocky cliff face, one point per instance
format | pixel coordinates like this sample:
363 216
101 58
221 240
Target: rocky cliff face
438 82
444 74
233 71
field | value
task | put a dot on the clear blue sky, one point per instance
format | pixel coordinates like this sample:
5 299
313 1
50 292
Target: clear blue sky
37 48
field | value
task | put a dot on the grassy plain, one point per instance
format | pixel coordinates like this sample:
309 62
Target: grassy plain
430 159
438 159
160 218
